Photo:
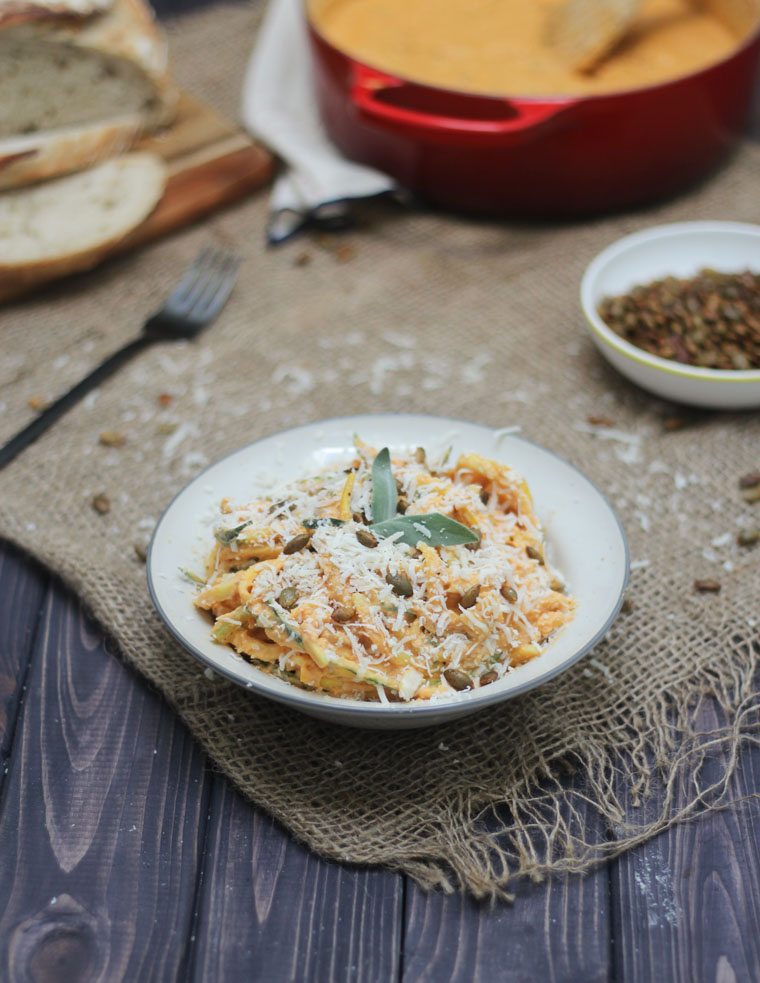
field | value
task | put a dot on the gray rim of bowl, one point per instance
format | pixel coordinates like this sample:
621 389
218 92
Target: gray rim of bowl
354 707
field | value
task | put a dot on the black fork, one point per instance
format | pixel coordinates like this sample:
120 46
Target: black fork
194 303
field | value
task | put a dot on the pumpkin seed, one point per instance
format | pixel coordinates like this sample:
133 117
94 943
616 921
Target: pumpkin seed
751 480
457 679
477 544
343 614
485 496
297 543
112 438
535 554
707 586
470 596
627 606
419 455
751 495
140 552
489 677
366 538
410 616
288 598
748 537
402 504
509 594
102 504
402 586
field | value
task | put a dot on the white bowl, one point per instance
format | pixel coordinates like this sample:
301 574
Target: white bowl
585 541
682 250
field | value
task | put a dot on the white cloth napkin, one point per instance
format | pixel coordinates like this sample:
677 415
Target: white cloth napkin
280 109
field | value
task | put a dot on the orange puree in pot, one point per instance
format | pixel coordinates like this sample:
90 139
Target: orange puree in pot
497 46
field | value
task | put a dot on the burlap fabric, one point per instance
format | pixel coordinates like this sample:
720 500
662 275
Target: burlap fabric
422 313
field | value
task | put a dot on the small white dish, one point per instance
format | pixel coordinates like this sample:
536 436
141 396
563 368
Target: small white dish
585 542
682 250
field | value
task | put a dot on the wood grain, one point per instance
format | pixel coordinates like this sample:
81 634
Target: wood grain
554 932
102 815
286 914
23 588
687 904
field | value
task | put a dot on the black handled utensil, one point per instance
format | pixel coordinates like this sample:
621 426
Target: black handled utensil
194 303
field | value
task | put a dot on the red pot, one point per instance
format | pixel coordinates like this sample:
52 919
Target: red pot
564 156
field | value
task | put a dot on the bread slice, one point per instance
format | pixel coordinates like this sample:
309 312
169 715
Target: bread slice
60 70
39 156
69 224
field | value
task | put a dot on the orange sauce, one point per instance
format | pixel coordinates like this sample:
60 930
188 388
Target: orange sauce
498 46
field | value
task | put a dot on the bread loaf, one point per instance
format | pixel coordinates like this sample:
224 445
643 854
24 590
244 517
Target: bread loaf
74 86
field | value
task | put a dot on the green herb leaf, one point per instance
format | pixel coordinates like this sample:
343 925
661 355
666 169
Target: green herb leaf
384 492
433 529
289 629
227 536
192 577
322 521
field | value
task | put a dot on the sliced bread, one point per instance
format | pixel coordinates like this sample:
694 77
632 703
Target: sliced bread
69 224
60 70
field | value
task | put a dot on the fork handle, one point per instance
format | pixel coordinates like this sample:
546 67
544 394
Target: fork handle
56 410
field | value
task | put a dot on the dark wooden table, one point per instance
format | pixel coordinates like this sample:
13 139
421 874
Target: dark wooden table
123 856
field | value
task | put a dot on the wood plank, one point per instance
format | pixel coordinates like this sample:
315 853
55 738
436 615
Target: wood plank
287 915
554 931
686 905
105 797
23 585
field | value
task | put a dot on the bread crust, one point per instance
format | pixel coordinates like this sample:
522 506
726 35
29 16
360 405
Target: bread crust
26 160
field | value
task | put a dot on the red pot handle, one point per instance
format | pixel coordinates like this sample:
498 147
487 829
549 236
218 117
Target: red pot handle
523 119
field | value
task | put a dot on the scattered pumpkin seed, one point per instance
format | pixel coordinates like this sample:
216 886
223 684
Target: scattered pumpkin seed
419 455
288 598
457 679
367 538
535 554
748 537
297 543
627 606
140 552
751 480
707 586
509 594
101 503
112 438
402 585
485 496
402 504
751 495
410 616
360 517
344 613
470 596
489 677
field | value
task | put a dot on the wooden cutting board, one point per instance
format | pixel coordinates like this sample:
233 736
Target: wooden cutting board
212 163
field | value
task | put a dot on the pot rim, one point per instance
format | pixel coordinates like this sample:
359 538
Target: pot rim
753 38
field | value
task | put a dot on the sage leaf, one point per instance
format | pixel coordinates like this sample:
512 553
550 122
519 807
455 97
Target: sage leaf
322 521
433 529
384 492
227 536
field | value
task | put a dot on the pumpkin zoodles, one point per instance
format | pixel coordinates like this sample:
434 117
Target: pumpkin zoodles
386 579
